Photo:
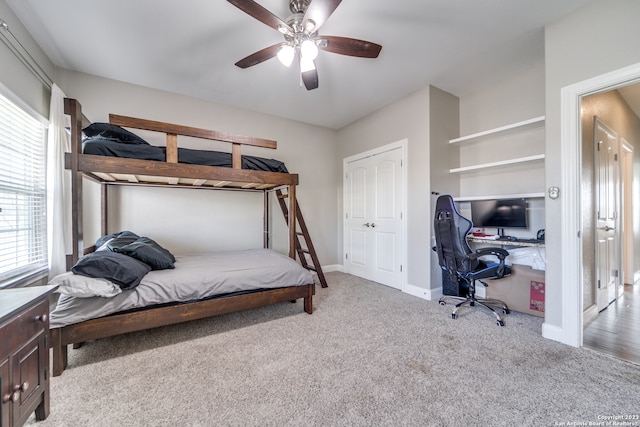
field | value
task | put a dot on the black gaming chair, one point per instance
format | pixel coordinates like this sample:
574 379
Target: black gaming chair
460 263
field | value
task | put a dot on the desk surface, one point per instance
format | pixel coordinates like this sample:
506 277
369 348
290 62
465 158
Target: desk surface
506 243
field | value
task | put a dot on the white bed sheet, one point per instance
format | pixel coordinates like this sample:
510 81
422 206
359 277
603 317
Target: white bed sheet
195 277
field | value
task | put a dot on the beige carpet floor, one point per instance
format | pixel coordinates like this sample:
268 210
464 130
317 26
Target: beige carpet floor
368 356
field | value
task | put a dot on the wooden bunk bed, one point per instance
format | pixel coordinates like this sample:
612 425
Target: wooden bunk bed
117 170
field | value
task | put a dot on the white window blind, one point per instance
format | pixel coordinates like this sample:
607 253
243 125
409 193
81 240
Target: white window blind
23 223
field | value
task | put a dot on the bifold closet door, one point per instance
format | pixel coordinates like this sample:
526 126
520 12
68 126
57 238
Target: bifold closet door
373 218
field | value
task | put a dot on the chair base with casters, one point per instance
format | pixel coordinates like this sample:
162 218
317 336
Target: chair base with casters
489 303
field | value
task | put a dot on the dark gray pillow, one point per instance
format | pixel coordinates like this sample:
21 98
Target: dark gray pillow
111 132
148 251
121 239
121 269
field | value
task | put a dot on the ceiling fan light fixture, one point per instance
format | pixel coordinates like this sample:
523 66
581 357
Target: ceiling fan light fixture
301 39
286 54
306 65
284 29
309 50
309 25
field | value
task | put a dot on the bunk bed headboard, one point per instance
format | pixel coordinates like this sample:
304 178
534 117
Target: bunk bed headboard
110 170
173 131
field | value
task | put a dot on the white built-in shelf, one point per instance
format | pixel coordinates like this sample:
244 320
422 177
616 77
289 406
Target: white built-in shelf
519 126
497 164
500 196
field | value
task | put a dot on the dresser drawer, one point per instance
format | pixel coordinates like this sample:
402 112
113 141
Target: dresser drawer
21 329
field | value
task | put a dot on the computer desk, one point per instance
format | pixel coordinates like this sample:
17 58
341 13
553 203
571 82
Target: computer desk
495 242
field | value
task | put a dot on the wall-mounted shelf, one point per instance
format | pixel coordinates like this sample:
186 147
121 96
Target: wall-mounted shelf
497 164
500 196
519 126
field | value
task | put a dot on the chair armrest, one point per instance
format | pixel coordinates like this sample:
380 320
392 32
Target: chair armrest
499 252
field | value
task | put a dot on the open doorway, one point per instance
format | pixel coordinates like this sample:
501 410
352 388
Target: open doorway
611 258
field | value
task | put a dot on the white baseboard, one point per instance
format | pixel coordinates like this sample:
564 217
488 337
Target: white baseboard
481 291
416 291
589 314
331 268
552 332
428 294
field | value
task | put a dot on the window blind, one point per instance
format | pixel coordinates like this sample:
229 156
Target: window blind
23 223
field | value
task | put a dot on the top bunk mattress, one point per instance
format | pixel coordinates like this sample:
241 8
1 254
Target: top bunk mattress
104 147
195 277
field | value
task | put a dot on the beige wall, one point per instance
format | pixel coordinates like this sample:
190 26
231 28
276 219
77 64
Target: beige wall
14 75
20 85
444 111
195 220
601 37
613 110
518 98
408 119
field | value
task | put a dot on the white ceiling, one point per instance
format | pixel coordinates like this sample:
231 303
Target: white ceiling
190 47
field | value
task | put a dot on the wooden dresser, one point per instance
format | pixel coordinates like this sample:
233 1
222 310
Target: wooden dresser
24 354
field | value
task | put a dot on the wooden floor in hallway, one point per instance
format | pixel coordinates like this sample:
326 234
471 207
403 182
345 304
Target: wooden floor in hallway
616 330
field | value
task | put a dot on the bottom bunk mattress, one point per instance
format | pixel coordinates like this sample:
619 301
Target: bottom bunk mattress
195 277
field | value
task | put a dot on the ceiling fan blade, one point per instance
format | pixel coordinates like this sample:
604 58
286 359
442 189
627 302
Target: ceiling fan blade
319 11
252 8
310 79
259 56
350 47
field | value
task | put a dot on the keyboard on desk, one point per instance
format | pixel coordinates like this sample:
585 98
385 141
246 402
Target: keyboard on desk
485 236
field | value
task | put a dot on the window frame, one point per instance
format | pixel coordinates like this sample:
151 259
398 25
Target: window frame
27 274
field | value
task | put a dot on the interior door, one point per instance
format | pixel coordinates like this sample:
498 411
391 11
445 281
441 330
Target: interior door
373 223
607 236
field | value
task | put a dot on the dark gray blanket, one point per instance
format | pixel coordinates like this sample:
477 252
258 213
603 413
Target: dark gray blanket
102 147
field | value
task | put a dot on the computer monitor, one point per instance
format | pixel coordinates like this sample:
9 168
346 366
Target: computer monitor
500 213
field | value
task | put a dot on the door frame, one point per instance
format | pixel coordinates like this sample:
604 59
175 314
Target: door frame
402 145
570 204
626 179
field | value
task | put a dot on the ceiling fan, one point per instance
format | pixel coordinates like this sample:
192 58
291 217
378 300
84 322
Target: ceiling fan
300 31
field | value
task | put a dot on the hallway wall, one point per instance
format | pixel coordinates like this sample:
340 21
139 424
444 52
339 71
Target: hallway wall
613 110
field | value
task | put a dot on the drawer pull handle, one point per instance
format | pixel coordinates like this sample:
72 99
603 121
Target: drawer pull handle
42 318
21 387
15 396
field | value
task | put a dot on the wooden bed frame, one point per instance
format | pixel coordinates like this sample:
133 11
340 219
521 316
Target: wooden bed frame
112 171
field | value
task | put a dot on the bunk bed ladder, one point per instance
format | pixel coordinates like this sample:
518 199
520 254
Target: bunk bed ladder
303 232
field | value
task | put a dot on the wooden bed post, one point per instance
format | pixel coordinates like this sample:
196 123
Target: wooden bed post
292 221
60 355
73 108
172 148
104 207
236 156
265 220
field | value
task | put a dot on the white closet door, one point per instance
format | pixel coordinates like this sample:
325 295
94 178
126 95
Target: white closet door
374 218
